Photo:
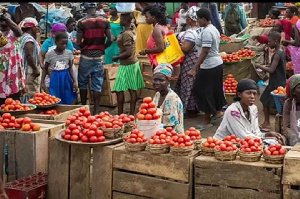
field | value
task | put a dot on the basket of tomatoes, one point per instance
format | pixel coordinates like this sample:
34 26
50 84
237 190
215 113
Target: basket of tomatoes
207 148
274 154
245 53
44 100
225 151
231 58
128 121
182 145
136 141
195 136
250 150
159 142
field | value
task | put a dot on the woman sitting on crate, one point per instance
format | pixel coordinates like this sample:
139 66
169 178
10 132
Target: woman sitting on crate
241 117
290 117
166 99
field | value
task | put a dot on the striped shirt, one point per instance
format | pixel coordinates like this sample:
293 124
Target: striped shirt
209 37
93 32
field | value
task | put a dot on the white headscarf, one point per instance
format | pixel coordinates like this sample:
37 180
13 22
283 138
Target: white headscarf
191 13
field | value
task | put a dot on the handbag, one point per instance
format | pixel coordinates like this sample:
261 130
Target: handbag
172 53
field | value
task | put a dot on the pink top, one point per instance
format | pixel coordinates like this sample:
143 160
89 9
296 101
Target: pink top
151 42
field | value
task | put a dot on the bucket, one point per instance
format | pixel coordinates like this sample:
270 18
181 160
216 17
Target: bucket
148 127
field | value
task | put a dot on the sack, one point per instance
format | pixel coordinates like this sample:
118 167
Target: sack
172 53
125 7
232 21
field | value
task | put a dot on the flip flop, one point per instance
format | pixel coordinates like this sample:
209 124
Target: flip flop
214 119
203 127
265 129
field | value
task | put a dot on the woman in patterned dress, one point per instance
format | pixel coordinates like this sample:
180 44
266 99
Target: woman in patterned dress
185 83
12 77
166 99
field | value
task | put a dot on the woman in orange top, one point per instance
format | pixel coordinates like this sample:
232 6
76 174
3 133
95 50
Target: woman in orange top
292 14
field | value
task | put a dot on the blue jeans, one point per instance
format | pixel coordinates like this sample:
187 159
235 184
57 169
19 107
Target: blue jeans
90 68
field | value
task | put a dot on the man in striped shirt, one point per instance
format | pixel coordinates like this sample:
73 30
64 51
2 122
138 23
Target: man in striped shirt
93 37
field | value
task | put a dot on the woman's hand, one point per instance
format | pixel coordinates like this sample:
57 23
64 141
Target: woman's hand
280 138
142 52
192 72
75 87
114 58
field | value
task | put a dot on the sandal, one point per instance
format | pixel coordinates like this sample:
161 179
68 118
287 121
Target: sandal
264 128
203 127
214 119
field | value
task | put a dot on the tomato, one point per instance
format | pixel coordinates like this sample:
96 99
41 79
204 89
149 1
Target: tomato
187 138
151 105
140 116
210 140
131 117
72 126
272 149
151 141
87 113
278 146
101 138
181 140
228 138
157 141
148 117
147 100
91 133
181 145
253 148
74 138
212 145
247 149
36 127
275 153
206 144
82 110
93 127
223 147
67 137
93 139
144 106
162 136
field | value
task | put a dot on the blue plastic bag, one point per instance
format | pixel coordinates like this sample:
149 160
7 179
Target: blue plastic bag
125 7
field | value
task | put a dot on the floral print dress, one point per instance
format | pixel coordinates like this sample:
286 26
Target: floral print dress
172 111
12 77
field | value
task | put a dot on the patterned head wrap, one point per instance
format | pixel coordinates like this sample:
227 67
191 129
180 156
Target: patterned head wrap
191 13
28 22
166 69
292 82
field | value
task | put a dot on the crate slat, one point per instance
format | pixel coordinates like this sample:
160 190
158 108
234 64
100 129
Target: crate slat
80 171
218 192
291 169
237 173
59 161
289 193
2 154
118 195
10 142
159 165
149 186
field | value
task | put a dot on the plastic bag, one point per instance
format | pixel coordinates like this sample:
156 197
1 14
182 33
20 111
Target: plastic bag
125 7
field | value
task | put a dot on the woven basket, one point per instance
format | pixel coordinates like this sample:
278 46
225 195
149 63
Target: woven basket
135 146
274 159
111 133
250 156
225 155
207 151
158 148
184 151
128 127
197 144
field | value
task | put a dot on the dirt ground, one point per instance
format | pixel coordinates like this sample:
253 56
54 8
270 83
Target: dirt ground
189 122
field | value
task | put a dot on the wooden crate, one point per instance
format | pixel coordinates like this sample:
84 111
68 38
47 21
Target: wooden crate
64 110
143 59
143 175
216 179
291 176
27 152
79 171
296 147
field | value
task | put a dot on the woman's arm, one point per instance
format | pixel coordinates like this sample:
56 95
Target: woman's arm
124 55
286 123
14 27
44 73
127 42
42 58
296 41
201 58
274 64
29 47
72 74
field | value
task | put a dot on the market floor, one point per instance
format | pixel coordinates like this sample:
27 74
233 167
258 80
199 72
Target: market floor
189 122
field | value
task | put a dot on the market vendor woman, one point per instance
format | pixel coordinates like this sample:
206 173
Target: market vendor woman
166 99
241 117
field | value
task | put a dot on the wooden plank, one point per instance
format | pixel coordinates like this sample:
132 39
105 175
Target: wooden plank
80 171
25 154
148 186
289 193
53 126
291 168
118 195
111 71
218 192
10 142
109 100
58 167
236 173
296 147
101 178
41 151
2 154
158 165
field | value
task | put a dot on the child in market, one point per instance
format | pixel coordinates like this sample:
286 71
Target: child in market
129 77
59 61
276 69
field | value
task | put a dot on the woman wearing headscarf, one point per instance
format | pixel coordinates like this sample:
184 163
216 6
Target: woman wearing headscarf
155 15
182 17
12 77
241 117
290 116
30 52
143 29
292 14
185 83
116 29
166 99
234 25
49 44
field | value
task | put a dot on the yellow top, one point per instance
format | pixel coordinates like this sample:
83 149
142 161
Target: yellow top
139 18
116 21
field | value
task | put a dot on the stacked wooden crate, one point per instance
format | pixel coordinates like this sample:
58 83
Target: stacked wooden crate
291 173
216 179
144 175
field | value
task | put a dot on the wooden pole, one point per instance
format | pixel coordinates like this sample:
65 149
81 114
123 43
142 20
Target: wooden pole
46 36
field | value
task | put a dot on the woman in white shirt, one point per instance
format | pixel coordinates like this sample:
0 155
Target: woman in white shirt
182 17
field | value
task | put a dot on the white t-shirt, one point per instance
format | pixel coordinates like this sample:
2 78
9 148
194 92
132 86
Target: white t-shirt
182 17
209 37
